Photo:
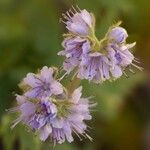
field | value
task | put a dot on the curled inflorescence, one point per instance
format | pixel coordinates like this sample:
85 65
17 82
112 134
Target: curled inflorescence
48 109
93 59
55 112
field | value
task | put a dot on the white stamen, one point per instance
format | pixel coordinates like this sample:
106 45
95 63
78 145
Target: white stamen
12 110
61 20
62 77
125 74
77 135
71 12
15 122
91 139
74 9
68 15
136 61
131 71
78 8
140 68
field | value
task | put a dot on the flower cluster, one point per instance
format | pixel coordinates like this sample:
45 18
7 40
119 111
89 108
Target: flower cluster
49 110
56 113
93 59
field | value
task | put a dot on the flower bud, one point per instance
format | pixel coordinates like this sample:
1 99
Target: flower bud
118 34
79 22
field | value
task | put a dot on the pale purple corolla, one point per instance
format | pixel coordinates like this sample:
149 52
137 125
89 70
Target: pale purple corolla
35 114
119 52
42 84
117 34
79 22
55 118
25 108
74 50
94 67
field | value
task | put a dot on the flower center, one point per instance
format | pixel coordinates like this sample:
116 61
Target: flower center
63 107
46 87
98 45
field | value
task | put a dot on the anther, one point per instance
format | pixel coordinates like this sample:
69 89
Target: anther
65 16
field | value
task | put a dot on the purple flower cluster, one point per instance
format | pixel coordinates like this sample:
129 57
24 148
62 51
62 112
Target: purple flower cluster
49 110
92 59
56 113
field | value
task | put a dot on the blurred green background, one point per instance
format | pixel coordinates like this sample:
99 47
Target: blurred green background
31 36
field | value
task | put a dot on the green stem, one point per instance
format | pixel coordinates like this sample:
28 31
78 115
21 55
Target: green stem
94 40
73 85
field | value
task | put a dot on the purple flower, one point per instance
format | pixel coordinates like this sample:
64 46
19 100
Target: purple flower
46 111
42 84
55 118
123 56
26 109
79 23
119 52
117 34
77 112
120 57
95 67
74 49
37 115
41 121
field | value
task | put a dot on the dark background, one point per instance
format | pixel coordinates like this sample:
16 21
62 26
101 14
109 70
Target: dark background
31 36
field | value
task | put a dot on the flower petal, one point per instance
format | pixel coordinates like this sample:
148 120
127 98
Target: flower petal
33 93
116 72
58 123
27 108
45 132
68 133
56 88
76 95
31 80
47 74
86 17
118 34
20 99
